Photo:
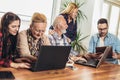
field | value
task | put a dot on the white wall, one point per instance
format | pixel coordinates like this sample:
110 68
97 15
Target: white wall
27 7
55 9
97 13
86 25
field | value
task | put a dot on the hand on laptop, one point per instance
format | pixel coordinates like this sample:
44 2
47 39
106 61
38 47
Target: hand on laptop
93 56
30 57
97 55
75 58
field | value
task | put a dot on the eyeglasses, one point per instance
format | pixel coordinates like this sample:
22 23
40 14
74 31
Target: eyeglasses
39 31
102 29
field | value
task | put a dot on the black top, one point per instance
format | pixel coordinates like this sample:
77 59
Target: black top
72 28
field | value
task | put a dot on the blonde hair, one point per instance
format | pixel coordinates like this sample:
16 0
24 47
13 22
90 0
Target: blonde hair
38 17
70 7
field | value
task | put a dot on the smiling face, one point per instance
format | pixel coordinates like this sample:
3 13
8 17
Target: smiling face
38 29
13 27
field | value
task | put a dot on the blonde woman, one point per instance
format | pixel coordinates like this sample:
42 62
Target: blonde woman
70 14
29 40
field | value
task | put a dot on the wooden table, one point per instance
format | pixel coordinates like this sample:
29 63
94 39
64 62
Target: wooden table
106 71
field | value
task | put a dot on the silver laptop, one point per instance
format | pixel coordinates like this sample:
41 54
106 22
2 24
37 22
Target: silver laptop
51 57
96 62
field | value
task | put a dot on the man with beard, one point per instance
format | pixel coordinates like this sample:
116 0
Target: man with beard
59 27
104 38
58 38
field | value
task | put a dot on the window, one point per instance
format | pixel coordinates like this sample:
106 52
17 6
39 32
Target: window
111 11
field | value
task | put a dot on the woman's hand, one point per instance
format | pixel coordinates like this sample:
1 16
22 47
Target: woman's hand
68 40
51 31
20 60
29 57
20 65
32 58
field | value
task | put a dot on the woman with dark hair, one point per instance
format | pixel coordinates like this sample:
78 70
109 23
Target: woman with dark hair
10 24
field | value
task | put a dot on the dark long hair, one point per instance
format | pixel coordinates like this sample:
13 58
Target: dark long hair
7 19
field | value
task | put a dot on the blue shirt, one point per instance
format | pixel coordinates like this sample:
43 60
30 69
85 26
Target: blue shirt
110 40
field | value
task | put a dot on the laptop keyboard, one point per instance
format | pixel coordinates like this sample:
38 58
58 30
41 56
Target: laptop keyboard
92 62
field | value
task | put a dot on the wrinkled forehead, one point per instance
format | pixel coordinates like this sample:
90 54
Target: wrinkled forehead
39 25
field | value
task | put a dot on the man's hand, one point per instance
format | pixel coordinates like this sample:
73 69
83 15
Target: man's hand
97 55
115 56
75 58
93 56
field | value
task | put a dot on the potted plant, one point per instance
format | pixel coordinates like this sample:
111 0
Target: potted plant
77 44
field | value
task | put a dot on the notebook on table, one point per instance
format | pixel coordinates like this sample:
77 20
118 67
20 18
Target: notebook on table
6 75
96 62
51 57
102 49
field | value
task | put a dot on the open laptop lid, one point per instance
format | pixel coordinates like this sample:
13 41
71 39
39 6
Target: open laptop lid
52 57
108 49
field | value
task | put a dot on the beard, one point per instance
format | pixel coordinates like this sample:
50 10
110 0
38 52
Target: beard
102 34
63 31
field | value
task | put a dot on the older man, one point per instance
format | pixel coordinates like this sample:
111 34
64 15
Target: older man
59 39
29 40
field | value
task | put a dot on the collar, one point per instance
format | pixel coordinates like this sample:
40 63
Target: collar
57 36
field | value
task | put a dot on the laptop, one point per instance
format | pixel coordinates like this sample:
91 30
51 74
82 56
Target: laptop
51 57
95 62
6 75
102 49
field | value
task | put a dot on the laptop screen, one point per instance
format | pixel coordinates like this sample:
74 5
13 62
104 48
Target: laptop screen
52 57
